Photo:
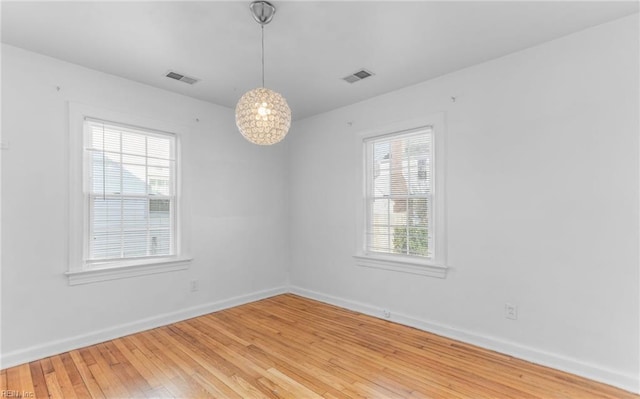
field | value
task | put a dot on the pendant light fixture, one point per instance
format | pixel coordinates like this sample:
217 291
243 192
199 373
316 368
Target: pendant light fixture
262 115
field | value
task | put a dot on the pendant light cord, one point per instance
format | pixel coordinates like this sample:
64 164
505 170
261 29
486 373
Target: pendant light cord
262 29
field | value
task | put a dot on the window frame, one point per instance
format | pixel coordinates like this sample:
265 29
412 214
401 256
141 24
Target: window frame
435 266
81 270
90 197
369 143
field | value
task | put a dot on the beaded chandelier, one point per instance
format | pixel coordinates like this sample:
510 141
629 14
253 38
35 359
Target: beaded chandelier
262 115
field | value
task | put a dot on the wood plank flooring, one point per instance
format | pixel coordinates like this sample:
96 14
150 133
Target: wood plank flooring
291 347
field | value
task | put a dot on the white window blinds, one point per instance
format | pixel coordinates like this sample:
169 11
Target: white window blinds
399 193
130 189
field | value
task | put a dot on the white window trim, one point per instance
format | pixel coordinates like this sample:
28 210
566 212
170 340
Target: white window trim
80 271
127 269
436 267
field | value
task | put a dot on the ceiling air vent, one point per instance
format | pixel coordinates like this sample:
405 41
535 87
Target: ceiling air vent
354 77
182 78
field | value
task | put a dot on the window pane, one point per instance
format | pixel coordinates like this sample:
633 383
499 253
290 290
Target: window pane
380 151
418 227
160 213
398 168
111 173
134 144
105 173
160 242
159 147
134 179
419 212
96 137
418 241
135 213
106 214
97 172
105 245
134 243
380 213
159 180
420 177
382 179
111 140
379 238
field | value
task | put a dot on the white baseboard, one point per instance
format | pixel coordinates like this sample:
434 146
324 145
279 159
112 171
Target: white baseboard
624 381
80 341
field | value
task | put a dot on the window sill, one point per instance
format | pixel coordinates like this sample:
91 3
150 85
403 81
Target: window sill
401 265
126 270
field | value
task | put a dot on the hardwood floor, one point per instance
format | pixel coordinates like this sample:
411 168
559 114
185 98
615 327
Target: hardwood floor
291 347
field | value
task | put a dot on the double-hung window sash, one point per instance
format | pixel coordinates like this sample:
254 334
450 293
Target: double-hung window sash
399 194
130 192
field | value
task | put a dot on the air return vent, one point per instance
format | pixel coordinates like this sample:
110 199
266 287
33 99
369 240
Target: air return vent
181 77
354 77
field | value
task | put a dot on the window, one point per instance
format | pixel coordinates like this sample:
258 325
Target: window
130 190
398 194
403 223
125 197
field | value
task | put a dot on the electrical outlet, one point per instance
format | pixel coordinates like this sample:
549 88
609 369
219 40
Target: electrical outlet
510 311
193 285
386 313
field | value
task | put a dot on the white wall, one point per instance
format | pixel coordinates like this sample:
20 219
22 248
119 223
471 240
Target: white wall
237 201
542 206
542 187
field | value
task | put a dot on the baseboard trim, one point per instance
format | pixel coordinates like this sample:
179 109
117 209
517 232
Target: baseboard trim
80 341
624 381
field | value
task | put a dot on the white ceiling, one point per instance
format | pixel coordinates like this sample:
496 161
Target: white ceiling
309 46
